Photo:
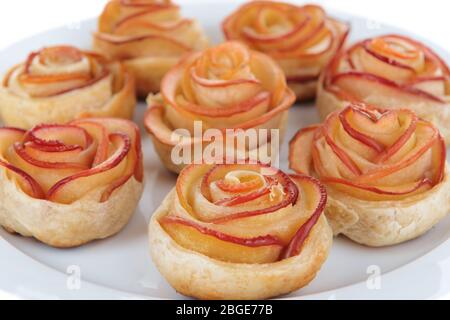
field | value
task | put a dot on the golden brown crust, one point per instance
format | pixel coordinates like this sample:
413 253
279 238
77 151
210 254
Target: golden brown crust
302 39
198 91
65 226
150 38
376 71
388 222
377 195
26 112
66 185
199 276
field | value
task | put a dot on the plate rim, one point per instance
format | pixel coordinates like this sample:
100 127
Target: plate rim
49 284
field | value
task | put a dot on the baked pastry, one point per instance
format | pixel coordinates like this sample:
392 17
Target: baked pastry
302 39
240 232
60 84
385 172
389 71
66 185
149 36
225 87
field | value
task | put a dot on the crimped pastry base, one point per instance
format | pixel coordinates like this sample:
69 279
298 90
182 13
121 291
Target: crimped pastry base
65 226
387 223
199 276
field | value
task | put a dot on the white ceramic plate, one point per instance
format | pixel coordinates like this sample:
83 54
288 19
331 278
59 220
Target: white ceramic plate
120 267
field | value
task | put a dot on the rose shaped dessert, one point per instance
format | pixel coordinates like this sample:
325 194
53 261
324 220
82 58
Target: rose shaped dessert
240 232
150 36
225 87
301 39
66 185
390 71
60 84
384 170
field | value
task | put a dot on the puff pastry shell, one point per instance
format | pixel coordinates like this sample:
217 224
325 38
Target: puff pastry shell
67 185
390 71
245 233
149 36
248 93
302 39
60 84
385 172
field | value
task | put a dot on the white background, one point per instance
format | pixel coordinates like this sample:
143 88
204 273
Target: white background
428 18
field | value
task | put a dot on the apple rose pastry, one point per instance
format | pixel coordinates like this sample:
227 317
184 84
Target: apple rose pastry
66 185
385 172
240 232
225 87
301 39
150 36
60 84
390 71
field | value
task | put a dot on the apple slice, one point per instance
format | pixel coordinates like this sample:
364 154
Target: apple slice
58 137
385 131
426 136
26 183
242 199
45 173
300 155
239 200
240 181
378 90
221 246
75 186
49 85
58 144
98 127
379 193
99 135
436 86
375 63
58 55
266 40
152 19
9 136
77 155
328 128
290 190
222 93
218 173
316 200
258 104
59 69
131 47
113 187
120 10
284 223
357 118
